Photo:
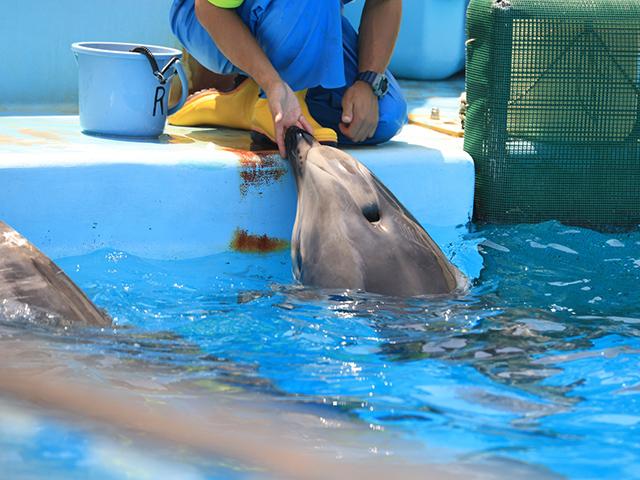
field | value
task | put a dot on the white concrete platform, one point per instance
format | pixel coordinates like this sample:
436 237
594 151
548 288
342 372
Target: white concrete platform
190 192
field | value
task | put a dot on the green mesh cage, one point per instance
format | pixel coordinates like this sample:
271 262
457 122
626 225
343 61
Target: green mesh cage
553 118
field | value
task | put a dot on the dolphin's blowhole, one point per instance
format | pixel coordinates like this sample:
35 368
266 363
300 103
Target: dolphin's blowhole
371 212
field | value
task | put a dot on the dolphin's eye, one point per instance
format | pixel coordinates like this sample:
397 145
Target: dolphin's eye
371 212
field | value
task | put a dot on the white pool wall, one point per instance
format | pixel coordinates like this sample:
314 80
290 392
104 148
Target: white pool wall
71 193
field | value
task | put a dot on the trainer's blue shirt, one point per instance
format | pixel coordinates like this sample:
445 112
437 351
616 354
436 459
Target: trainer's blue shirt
300 38
237 3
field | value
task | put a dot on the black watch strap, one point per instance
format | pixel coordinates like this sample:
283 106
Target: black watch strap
378 82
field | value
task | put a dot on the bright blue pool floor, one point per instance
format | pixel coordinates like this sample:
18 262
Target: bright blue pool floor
537 364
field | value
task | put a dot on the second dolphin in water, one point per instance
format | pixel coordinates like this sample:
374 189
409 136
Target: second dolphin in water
351 232
32 285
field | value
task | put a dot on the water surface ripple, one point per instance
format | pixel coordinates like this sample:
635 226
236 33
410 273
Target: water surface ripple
537 364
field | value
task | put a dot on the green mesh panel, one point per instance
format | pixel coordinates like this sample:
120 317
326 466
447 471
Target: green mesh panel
553 118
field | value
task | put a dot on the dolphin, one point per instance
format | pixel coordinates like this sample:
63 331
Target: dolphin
32 285
351 232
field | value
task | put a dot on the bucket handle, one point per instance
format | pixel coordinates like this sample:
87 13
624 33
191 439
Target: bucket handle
162 76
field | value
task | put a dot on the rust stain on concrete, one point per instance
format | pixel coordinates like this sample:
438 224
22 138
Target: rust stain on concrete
258 169
245 242
41 134
9 140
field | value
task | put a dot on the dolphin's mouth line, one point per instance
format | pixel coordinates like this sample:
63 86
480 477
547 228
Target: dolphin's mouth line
293 137
331 174
321 168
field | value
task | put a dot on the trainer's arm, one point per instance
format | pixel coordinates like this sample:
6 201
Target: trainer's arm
379 29
238 44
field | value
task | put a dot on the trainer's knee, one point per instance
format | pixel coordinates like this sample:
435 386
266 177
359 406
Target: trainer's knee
393 116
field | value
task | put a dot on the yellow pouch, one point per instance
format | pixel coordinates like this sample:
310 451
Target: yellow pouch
263 121
213 108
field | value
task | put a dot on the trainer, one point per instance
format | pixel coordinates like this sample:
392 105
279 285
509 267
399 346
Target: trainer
305 66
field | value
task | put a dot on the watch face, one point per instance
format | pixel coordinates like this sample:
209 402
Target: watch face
378 82
384 85
381 85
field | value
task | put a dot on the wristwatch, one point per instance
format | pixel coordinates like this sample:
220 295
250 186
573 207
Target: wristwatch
378 82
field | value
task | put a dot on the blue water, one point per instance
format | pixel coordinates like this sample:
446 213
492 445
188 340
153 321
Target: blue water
539 363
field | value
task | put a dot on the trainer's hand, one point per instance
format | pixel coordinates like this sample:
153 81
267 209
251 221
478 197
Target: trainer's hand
286 112
359 112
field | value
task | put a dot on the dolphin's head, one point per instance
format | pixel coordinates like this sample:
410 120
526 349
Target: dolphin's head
352 232
333 173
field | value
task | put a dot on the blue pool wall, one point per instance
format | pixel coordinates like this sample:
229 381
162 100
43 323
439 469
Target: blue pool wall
431 42
39 74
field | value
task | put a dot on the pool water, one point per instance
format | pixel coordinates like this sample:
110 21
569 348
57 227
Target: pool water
537 364
37 445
